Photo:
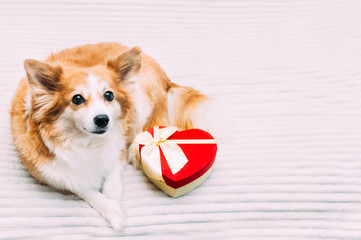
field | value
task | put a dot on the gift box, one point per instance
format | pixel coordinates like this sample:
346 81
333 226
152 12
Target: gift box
176 161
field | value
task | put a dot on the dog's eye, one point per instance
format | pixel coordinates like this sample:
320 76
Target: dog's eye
109 96
78 99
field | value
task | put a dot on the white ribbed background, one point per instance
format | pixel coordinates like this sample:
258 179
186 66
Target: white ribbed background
289 70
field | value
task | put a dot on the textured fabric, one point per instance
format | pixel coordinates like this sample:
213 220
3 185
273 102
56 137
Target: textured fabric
289 70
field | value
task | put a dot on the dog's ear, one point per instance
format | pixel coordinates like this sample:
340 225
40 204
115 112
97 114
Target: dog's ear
127 64
42 76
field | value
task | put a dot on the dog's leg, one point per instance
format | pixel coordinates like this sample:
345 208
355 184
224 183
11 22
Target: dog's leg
112 186
133 155
109 209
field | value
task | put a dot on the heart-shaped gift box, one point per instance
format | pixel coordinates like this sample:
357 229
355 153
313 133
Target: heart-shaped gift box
176 161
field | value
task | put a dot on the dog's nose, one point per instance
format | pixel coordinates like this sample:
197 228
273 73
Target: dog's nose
101 120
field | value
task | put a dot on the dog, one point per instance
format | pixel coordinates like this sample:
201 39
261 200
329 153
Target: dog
74 117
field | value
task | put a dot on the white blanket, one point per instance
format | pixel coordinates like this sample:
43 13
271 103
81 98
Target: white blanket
290 72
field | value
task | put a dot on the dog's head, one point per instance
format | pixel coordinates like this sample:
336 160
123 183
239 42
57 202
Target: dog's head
82 100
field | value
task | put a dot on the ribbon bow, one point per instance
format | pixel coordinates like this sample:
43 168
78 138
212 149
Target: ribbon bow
151 155
173 154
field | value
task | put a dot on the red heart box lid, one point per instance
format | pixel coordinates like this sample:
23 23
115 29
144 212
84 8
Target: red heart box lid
200 157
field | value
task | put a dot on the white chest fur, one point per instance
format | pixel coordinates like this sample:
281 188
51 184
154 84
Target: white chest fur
83 167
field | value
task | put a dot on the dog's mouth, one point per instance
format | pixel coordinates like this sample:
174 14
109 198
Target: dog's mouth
95 130
99 131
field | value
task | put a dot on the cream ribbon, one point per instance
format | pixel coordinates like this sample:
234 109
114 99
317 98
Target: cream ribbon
174 155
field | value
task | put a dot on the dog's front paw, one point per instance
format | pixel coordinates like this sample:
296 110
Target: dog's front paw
109 209
133 155
114 214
